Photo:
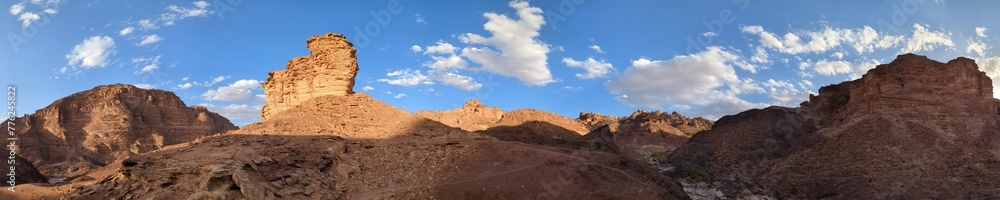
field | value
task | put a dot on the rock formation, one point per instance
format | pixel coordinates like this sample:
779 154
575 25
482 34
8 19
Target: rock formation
646 133
911 129
329 69
473 116
354 147
96 127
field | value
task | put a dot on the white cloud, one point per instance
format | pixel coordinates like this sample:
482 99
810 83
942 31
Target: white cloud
978 47
200 9
27 18
593 68
126 31
367 88
709 34
459 81
992 68
50 11
420 19
708 78
144 86
416 49
518 52
239 114
406 77
238 91
597 49
443 63
184 79
259 99
441 48
831 68
863 40
760 56
16 9
926 40
981 31
148 64
92 52
786 93
147 24
400 95
184 86
150 39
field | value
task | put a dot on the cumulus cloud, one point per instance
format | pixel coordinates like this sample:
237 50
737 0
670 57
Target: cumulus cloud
144 86
27 18
991 66
237 91
975 46
592 68
416 49
459 81
862 40
147 24
513 49
760 56
708 78
184 86
981 31
441 48
146 64
597 49
92 52
367 88
926 40
839 67
398 96
406 77
16 8
150 39
126 31
239 114
786 93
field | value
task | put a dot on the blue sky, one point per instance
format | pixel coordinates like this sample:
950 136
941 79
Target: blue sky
705 58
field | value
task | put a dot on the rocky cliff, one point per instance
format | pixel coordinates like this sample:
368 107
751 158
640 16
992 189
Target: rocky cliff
911 129
329 69
645 132
96 127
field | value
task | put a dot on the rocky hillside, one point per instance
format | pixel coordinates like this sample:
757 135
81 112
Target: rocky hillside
911 129
646 133
94 128
353 147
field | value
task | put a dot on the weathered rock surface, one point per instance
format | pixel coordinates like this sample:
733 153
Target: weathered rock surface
473 116
353 147
645 133
911 129
329 69
96 127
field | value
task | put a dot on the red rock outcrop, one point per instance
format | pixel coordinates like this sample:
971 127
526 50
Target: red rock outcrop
911 129
329 69
473 116
93 128
354 147
645 133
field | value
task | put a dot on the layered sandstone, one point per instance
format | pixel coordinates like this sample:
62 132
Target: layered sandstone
911 129
329 69
96 127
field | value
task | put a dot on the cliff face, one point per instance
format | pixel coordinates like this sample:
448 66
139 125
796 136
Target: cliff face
914 128
96 127
329 69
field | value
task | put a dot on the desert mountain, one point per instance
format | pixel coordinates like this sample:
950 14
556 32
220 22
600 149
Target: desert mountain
646 133
350 146
911 129
94 128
